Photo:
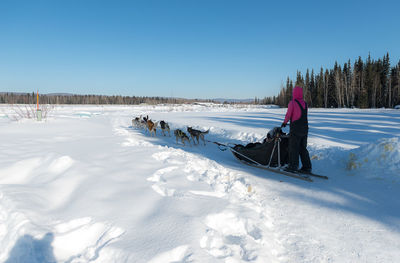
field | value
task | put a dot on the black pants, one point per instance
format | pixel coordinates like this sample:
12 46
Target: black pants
298 146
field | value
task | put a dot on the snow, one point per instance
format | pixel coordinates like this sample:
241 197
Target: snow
371 160
83 185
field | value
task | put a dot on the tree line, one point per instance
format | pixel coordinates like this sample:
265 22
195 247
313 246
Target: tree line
363 84
30 98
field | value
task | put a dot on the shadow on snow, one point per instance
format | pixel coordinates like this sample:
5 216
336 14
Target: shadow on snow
373 199
29 249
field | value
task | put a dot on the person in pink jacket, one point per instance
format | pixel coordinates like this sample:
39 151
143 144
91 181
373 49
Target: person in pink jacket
297 115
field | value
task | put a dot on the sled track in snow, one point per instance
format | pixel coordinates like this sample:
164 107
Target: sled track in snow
247 235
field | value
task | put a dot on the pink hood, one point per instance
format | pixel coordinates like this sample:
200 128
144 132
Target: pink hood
294 112
298 93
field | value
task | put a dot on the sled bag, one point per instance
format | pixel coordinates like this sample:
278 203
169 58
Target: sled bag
261 152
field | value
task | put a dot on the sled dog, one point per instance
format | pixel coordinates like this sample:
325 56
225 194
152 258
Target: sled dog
179 134
152 127
136 121
197 134
164 128
143 122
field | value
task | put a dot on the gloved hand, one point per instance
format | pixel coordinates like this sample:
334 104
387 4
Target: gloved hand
283 125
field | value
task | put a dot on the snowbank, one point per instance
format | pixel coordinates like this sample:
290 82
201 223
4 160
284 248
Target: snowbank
380 159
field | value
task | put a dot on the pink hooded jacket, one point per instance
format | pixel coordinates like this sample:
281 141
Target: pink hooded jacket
294 112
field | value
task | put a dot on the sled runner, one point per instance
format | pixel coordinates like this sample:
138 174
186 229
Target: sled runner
271 154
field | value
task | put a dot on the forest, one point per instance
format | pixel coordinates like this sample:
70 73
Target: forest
363 84
30 98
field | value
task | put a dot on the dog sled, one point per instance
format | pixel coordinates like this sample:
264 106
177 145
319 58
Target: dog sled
271 154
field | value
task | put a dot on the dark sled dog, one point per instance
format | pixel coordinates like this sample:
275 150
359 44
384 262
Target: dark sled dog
197 134
164 128
179 134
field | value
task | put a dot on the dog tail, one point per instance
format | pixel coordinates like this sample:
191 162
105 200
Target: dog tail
206 132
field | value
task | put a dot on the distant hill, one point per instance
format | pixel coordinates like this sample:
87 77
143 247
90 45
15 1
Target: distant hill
59 94
222 100
48 94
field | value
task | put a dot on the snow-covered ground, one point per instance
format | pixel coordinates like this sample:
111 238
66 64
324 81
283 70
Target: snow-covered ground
85 186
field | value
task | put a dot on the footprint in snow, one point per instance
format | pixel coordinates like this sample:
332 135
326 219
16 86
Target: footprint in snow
163 191
158 175
81 240
231 237
171 156
160 182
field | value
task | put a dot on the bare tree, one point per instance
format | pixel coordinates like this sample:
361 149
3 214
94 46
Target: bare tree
28 111
338 85
326 88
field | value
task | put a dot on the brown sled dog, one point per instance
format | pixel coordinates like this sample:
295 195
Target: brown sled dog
197 134
152 127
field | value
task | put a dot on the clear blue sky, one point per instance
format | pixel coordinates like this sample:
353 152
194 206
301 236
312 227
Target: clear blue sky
191 49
